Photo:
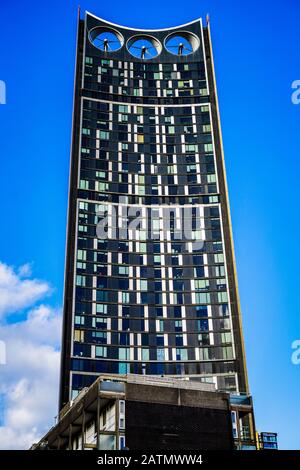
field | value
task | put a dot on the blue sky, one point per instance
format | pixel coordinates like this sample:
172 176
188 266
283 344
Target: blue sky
256 48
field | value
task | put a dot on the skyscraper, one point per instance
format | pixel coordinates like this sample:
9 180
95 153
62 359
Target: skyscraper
150 281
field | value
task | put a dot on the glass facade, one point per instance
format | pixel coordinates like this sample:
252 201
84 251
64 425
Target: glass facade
150 282
267 441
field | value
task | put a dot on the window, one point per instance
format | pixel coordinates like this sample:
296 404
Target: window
181 354
99 337
202 298
201 284
171 169
222 297
101 351
123 109
219 258
81 255
145 354
204 354
220 270
101 308
125 297
100 323
104 135
123 270
80 281
211 178
124 354
183 84
160 354
107 442
188 129
81 265
84 206
191 168
226 337
100 174
123 117
79 320
140 138
79 336
201 311
100 186
84 184
208 147
221 283
191 148
203 339
223 310
124 368
143 247
203 325
227 352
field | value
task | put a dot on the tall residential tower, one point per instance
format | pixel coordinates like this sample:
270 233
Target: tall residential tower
150 282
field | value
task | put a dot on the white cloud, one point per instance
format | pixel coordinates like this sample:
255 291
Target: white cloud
25 270
29 380
17 293
20 441
42 326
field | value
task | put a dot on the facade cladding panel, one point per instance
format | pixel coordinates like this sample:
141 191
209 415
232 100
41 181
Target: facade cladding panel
147 142
176 427
164 418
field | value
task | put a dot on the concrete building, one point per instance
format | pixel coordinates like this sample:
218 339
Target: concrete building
143 413
150 276
160 298
267 441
